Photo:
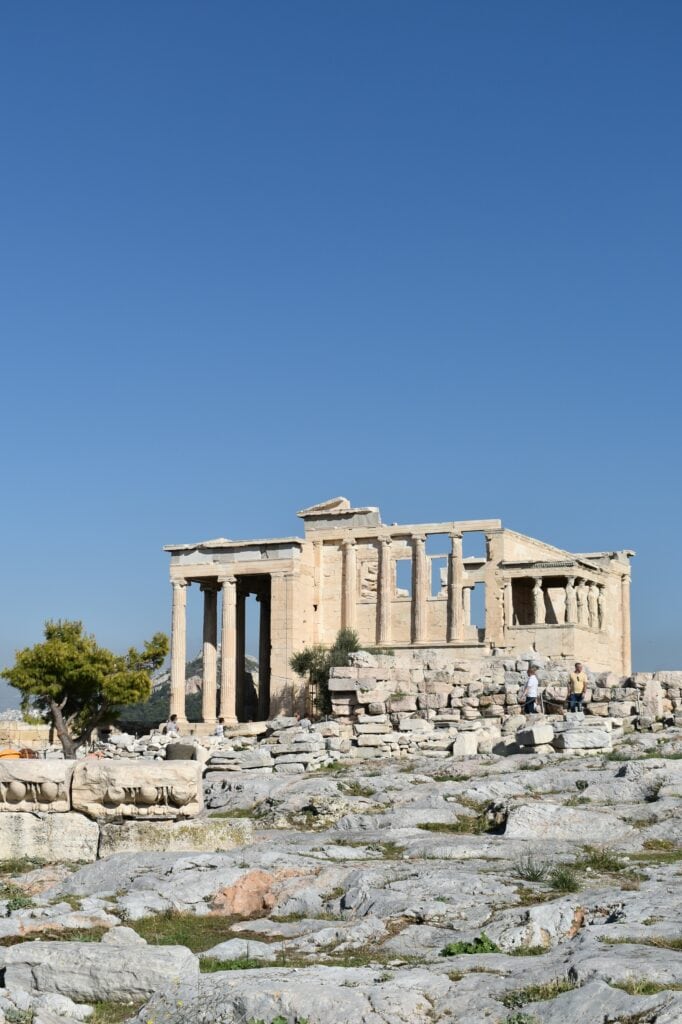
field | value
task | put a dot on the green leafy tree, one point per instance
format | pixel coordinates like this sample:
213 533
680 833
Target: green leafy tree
79 685
316 662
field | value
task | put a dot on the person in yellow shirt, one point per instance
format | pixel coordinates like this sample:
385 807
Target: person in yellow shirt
577 687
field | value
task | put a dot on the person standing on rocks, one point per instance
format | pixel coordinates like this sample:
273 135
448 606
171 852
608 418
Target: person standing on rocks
529 694
220 728
577 687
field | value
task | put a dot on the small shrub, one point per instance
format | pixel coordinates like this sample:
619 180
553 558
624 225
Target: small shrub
13 1016
211 964
481 944
520 1018
600 858
15 897
564 879
531 868
355 789
529 951
538 993
581 785
643 987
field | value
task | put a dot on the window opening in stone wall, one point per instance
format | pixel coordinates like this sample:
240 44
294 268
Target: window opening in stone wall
554 590
473 545
403 577
478 609
439 575
522 602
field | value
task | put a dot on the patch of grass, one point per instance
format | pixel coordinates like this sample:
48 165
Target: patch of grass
531 897
520 1018
15 897
564 879
57 935
388 850
14 1016
236 812
331 768
211 964
659 941
481 944
446 777
643 987
355 789
529 951
333 894
113 1013
538 993
658 851
476 824
523 767
531 868
173 928
577 801
600 858
20 865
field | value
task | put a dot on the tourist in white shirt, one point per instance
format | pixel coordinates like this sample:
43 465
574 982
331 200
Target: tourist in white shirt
220 728
530 692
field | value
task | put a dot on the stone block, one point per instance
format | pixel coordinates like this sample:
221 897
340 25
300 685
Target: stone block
121 789
89 971
583 739
343 685
404 703
49 837
27 785
203 836
466 745
370 740
537 734
414 725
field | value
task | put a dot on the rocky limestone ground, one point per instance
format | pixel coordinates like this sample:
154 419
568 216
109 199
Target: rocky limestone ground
530 889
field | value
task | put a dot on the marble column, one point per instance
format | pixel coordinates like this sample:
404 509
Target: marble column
455 574
318 605
466 604
210 652
349 584
538 603
178 649
384 594
494 590
228 643
571 602
264 659
625 611
419 589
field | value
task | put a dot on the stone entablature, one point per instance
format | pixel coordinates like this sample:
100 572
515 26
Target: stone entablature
349 570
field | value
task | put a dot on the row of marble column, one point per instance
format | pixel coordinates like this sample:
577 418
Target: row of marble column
584 602
228 664
458 592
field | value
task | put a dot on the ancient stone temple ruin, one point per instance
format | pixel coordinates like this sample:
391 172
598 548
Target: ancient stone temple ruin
398 586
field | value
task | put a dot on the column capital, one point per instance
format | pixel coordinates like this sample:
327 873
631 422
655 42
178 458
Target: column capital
222 580
418 538
349 542
180 583
455 534
209 586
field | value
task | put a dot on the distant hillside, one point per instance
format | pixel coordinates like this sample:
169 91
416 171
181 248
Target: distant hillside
140 718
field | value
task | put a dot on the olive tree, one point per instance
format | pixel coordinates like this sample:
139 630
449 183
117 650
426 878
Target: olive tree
78 685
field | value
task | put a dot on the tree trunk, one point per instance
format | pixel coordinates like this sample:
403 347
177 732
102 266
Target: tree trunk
69 744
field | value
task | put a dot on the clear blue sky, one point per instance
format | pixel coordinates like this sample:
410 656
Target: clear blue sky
254 255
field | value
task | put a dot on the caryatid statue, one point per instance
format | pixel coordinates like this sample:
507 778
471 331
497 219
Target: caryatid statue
593 605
